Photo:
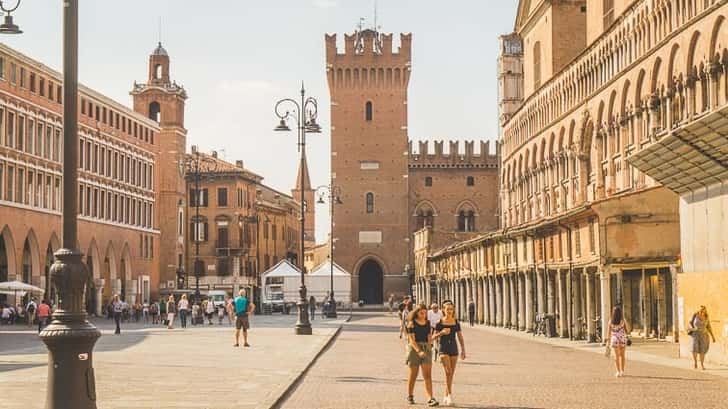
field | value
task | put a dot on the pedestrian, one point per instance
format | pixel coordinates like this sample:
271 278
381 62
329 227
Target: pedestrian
154 312
209 310
471 312
445 332
230 310
183 308
118 307
701 332
163 311
390 302
145 311
195 313
617 336
220 313
419 353
30 311
243 307
312 307
171 310
405 309
434 315
109 312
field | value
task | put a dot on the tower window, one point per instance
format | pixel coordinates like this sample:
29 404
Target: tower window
158 71
470 181
370 202
154 111
428 181
368 109
466 221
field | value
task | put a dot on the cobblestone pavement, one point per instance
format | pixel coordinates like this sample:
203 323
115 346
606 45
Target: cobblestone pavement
152 367
364 368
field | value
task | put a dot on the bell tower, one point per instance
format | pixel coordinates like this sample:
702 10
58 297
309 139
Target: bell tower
369 160
309 203
163 101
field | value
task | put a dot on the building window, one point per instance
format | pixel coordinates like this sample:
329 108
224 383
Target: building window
22 77
198 231
592 237
223 266
608 13
370 202
466 221
13 73
425 218
428 181
470 181
2 67
198 199
368 110
154 111
222 197
536 65
577 241
41 87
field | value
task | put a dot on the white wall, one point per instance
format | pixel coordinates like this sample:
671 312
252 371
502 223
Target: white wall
704 229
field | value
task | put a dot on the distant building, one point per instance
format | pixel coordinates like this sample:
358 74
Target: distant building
389 190
241 226
128 179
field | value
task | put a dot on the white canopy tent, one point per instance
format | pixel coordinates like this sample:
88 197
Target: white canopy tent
319 282
283 277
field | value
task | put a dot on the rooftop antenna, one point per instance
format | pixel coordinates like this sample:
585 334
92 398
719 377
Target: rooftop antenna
160 29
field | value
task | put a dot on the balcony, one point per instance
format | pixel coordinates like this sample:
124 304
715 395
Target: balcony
226 248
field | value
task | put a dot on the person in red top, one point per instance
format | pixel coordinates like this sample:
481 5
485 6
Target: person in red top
43 313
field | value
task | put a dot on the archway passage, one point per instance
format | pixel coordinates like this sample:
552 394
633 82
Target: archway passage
371 282
3 267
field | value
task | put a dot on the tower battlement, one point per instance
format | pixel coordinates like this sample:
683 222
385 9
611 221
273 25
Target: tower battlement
368 61
456 157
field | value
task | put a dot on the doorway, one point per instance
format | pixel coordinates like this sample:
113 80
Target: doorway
371 282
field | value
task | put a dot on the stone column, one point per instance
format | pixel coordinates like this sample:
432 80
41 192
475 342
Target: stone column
605 301
514 301
499 301
522 322
551 293
530 319
540 291
590 303
563 304
99 283
480 305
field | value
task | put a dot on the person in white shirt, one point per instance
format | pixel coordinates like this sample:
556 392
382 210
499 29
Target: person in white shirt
30 311
434 315
183 307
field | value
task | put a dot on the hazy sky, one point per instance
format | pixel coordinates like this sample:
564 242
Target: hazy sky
236 58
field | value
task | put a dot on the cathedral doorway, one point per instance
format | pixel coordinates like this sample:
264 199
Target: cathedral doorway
371 282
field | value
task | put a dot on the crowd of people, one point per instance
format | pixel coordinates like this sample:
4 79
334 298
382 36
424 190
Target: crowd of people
33 313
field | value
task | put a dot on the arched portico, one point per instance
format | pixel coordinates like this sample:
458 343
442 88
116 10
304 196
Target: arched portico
371 281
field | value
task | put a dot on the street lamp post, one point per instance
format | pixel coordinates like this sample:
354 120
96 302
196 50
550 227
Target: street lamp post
195 166
70 338
334 197
305 115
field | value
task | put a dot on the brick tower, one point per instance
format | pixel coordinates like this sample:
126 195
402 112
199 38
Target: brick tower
164 101
309 203
368 88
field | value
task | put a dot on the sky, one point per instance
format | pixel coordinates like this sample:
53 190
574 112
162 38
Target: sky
236 58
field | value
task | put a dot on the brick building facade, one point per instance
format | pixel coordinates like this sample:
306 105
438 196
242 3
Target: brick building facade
590 170
122 169
387 188
241 226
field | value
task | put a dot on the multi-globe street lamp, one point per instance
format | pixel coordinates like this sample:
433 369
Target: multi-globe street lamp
70 338
195 166
333 193
304 114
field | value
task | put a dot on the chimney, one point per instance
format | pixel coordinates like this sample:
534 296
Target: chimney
239 164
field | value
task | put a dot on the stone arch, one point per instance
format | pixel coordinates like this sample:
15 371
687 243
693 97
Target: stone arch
560 146
93 265
108 272
572 127
30 259
673 70
155 111
625 98
542 151
715 46
53 245
638 88
8 268
528 159
552 139
654 77
534 157
371 270
425 204
124 271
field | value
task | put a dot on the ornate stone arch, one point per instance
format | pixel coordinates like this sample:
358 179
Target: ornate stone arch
33 262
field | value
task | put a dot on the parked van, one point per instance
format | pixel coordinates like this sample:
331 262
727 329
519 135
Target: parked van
217 297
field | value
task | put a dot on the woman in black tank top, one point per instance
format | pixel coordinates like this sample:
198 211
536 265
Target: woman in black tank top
447 330
419 353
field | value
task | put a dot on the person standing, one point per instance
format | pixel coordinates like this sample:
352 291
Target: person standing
230 310
419 353
145 311
243 307
118 307
405 307
471 312
312 307
446 330
434 315
171 310
154 311
390 302
163 311
617 336
220 313
183 308
209 310
701 332
43 313
30 311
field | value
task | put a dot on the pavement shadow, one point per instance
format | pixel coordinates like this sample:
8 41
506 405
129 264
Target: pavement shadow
472 363
365 379
371 328
491 407
31 344
7 367
668 378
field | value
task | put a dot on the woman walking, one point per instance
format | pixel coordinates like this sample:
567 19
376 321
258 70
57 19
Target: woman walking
701 333
446 330
617 336
184 307
419 353
171 309
209 311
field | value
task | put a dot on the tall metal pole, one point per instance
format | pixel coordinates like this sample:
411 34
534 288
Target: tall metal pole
70 338
197 267
303 325
332 201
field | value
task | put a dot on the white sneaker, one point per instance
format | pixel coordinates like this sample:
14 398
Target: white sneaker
446 400
617 374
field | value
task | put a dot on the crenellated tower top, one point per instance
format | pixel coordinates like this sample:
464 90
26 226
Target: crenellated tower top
368 61
423 157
